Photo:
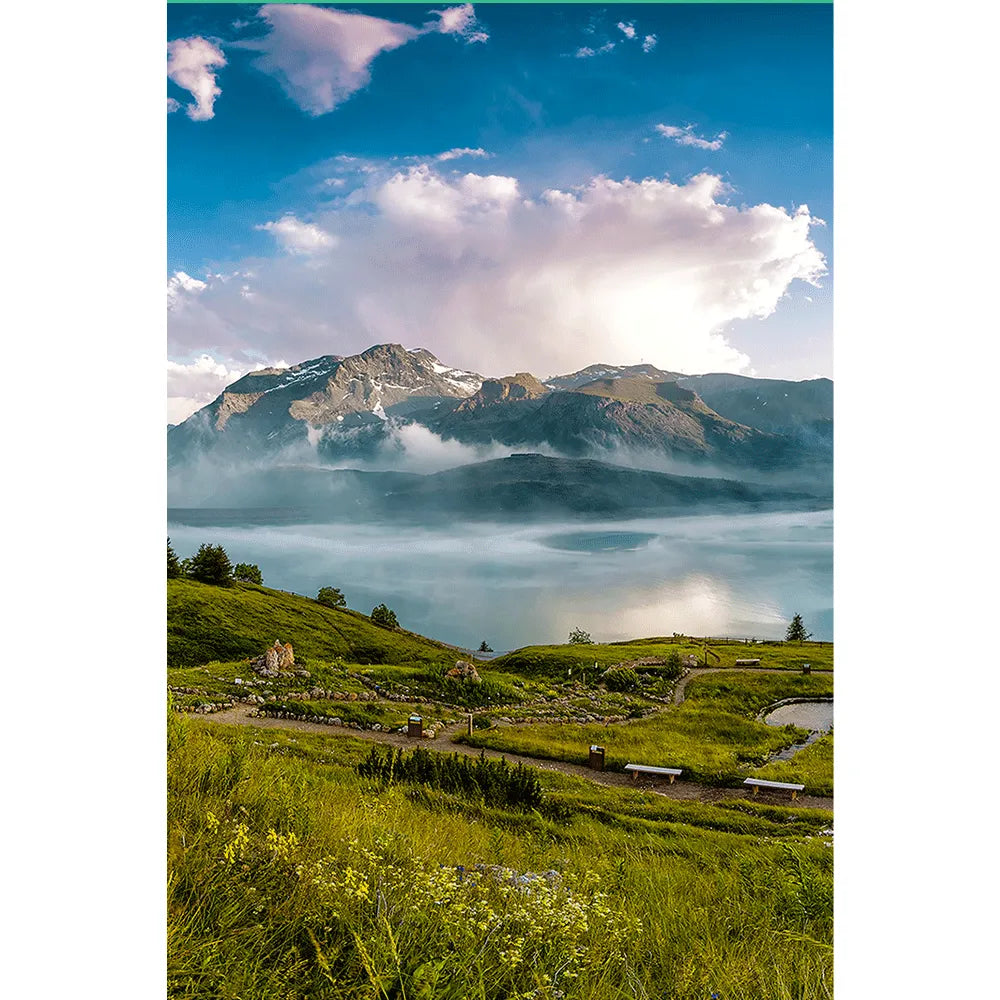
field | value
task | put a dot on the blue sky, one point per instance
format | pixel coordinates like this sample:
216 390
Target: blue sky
261 192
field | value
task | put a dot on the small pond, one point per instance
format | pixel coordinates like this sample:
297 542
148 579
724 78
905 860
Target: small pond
814 715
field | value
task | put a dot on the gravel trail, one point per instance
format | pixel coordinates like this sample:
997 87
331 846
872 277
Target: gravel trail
442 741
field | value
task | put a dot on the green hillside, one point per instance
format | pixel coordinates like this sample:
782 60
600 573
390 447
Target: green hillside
206 623
555 661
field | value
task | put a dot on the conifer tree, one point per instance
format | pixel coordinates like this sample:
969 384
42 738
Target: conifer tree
210 564
797 631
173 563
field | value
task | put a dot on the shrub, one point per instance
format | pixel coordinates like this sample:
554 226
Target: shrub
481 722
248 573
621 679
331 597
381 615
210 564
579 637
495 782
674 666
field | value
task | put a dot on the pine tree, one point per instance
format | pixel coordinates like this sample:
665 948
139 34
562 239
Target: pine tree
173 563
210 564
797 631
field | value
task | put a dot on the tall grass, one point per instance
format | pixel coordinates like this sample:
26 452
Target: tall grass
812 767
292 877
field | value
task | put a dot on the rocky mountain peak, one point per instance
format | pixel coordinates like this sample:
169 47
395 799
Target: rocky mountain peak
495 391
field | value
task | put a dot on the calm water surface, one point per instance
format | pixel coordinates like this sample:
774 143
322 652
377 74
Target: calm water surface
513 585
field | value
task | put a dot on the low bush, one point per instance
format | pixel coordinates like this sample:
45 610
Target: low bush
621 679
493 782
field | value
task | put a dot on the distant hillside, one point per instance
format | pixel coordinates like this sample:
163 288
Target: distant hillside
207 623
774 405
522 486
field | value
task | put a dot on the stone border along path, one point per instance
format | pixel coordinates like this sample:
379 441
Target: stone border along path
688 790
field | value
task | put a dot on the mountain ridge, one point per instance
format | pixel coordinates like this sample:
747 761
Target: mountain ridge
355 407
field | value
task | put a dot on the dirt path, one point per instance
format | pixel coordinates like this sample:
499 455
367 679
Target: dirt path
702 671
689 790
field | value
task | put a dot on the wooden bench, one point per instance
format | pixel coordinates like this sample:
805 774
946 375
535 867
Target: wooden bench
637 769
747 663
759 783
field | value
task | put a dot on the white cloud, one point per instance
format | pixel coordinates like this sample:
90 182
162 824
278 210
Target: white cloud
585 52
172 105
298 237
686 137
321 56
649 43
628 30
192 385
189 65
179 284
421 199
461 21
454 154
494 281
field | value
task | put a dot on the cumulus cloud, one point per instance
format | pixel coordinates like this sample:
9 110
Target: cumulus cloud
496 280
686 136
321 56
298 237
628 30
190 62
461 21
649 43
180 283
420 199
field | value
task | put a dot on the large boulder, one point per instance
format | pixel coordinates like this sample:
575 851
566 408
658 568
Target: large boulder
464 671
274 659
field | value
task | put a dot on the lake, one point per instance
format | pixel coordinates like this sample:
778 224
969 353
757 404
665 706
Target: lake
513 585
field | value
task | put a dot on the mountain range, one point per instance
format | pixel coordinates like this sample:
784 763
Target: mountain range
335 408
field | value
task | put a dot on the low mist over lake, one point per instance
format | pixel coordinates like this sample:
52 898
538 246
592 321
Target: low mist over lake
739 575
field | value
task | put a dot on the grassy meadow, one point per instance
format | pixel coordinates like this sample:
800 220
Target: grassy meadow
291 877
713 735
557 661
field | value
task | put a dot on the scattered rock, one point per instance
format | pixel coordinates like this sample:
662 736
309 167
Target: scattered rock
463 670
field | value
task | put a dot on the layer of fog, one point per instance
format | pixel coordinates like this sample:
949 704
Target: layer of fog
714 575
410 447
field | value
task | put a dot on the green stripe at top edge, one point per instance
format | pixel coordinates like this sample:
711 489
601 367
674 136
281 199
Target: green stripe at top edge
550 3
